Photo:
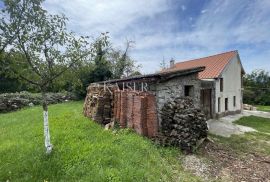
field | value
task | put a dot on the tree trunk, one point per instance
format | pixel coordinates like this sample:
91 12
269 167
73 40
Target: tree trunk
48 144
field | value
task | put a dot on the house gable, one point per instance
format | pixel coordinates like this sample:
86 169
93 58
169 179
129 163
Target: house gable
214 65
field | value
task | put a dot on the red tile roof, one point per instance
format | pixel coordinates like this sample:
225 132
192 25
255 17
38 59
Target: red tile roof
214 65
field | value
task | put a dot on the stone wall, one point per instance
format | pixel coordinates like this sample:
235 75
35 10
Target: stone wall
169 90
15 101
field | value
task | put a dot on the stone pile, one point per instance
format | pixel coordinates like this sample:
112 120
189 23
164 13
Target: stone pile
182 124
249 107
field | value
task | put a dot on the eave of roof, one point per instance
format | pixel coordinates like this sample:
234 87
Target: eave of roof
160 76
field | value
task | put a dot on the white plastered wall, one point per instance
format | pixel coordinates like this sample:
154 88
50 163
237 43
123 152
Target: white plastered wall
231 86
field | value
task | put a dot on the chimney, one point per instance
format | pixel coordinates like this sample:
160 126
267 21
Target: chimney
172 63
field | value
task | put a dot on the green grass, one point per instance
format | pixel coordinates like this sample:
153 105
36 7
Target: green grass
83 150
263 108
249 142
258 123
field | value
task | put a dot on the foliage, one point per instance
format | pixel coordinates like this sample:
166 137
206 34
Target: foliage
104 63
8 81
107 63
84 151
257 88
42 49
121 63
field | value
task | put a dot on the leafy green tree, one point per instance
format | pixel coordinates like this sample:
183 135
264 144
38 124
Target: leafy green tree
106 63
121 63
45 49
257 88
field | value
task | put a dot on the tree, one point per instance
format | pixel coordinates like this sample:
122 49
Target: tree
45 49
121 63
257 87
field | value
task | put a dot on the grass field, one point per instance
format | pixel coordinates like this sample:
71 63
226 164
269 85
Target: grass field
251 141
83 151
258 123
263 108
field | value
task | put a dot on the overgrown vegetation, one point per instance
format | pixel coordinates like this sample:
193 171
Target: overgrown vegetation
83 150
257 88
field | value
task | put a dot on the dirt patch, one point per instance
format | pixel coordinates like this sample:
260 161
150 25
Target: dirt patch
215 162
197 166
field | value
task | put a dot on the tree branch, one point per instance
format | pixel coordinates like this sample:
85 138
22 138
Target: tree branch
21 44
47 58
61 72
23 77
19 28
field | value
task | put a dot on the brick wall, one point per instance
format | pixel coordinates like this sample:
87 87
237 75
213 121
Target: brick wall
137 111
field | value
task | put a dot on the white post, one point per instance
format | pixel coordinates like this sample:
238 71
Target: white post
48 144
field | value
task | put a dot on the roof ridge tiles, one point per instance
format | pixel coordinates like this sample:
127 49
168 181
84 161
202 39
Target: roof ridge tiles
195 59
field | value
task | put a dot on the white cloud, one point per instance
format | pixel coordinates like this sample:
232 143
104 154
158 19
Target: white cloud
95 16
234 25
204 11
183 7
222 25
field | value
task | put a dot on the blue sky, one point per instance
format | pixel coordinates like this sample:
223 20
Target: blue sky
179 29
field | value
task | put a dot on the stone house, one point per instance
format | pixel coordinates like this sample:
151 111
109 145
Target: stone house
214 83
168 105
221 82
165 86
164 106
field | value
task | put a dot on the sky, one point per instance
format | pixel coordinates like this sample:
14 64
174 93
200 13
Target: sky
178 29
